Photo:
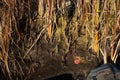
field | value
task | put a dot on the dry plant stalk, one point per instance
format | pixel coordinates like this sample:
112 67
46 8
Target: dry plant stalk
92 14
95 23
113 40
114 53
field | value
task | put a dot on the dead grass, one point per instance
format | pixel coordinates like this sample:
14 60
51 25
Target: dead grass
23 22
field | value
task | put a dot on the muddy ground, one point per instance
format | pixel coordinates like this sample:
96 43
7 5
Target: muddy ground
50 65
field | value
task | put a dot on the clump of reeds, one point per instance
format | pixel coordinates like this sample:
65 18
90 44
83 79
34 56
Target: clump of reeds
23 22
101 26
15 19
98 16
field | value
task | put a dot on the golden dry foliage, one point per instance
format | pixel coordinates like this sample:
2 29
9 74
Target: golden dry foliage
95 22
50 18
21 26
49 31
96 42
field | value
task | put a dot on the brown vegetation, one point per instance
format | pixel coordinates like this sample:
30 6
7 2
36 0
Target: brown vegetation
25 24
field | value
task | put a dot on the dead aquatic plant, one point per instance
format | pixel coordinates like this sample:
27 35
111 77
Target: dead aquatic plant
115 43
106 14
11 34
24 22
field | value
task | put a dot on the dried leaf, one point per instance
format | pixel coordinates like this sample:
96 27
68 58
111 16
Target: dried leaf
49 31
96 44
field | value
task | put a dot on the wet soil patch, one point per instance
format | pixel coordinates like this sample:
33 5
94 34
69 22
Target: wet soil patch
66 76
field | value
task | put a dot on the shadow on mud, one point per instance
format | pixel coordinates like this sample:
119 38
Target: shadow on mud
66 76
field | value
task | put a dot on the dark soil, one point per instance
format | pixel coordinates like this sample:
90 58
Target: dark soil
54 65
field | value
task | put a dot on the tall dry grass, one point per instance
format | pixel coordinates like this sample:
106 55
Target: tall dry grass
23 22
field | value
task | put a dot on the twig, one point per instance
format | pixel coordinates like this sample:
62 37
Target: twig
115 54
101 52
